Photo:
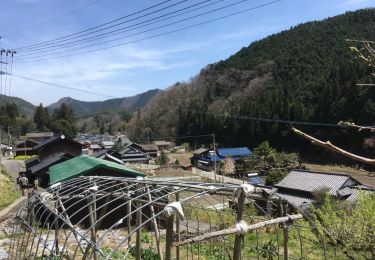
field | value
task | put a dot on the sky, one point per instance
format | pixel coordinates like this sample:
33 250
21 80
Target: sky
152 53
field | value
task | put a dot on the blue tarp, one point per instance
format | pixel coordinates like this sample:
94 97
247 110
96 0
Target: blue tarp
234 152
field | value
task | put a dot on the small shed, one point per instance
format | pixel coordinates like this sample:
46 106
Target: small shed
89 166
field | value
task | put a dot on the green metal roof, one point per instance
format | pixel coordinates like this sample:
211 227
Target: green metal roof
84 164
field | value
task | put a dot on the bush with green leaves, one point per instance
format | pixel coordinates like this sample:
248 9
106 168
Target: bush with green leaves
348 227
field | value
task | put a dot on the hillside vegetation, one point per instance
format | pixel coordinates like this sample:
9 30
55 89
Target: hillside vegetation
85 108
306 73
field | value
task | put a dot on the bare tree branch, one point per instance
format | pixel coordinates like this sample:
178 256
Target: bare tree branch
329 146
359 127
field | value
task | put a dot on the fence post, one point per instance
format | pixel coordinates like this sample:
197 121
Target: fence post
169 238
286 238
239 237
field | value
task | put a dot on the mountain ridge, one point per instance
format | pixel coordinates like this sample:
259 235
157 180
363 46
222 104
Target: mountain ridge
84 108
306 73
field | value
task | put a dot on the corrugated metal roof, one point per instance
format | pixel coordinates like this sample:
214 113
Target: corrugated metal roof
234 152
311 181
84 164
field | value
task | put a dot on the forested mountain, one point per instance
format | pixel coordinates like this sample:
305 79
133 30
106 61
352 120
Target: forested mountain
24 108
306 73
82 108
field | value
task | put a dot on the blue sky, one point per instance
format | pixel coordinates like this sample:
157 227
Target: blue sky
153 63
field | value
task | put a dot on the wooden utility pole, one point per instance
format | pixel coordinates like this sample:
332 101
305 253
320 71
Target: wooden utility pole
213 139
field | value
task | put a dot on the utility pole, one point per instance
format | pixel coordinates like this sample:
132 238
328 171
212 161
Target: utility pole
213 139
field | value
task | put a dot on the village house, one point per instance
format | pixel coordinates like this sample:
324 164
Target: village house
164 145
25 148
50 152
300 188
133 154
150 149
109 155
205 159
39 137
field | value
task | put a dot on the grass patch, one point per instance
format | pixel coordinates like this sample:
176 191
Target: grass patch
8 191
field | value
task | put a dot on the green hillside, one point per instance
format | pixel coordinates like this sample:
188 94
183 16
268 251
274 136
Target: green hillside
25 108
306 73
84 108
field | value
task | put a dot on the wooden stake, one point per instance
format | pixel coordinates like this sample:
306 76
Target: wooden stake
169 238
239 237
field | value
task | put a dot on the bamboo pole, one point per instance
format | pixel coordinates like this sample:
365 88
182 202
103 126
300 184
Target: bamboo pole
155 224
234 230
178 230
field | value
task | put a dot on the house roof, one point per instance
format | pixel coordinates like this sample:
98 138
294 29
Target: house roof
39 135
31 162
100 153
107 143
84 164
234 152
53 140
309 181
200 151
124 140
27 141
49 161
294 198
162 143
95 146
365 180
149 147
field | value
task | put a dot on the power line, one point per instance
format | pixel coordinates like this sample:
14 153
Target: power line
268 120
148 30
159 35
53 19
95 27
62 86
132 27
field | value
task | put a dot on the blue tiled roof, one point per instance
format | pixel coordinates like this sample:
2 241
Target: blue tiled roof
234 152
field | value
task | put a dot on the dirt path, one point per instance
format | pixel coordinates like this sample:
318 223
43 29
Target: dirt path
13 167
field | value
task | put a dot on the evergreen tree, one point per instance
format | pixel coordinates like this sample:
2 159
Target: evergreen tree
63 121
41 118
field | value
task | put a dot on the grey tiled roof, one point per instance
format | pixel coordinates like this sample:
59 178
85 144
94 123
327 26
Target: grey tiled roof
309 181
293 198
49 161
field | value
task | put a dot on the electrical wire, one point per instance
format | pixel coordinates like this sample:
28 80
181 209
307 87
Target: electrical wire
157 35
123 29
62 86
53 19
148 30
95 27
